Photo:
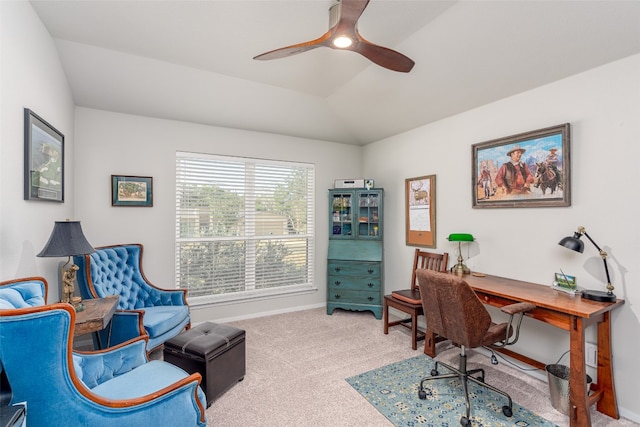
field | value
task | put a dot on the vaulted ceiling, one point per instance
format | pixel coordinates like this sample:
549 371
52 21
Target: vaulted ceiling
192 60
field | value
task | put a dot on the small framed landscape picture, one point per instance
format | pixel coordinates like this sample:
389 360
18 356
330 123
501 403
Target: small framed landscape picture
131 190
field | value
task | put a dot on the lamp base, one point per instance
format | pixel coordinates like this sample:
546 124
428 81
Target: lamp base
460 269
600 296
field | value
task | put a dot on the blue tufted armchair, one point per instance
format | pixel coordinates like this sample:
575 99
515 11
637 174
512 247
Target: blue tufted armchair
143 308
117 386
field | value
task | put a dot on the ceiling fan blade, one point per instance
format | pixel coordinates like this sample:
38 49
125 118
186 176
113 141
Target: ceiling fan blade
293 49
351 10
383 56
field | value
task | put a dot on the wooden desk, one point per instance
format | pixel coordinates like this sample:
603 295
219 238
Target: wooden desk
96 315
571 313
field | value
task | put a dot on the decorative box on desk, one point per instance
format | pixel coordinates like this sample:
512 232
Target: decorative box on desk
354 266
216 351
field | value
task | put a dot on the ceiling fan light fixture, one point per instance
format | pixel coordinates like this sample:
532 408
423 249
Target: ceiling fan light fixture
343 34
342 42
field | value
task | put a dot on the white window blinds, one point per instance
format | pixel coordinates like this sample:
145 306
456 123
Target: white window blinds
244 227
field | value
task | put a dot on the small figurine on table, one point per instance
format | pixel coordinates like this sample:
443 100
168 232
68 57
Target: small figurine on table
68 279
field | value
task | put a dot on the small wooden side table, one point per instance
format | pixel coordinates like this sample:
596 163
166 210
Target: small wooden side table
96 315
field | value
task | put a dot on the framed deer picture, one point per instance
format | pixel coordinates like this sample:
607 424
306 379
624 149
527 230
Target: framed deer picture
527 170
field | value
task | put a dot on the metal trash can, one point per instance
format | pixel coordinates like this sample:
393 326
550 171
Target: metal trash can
558 377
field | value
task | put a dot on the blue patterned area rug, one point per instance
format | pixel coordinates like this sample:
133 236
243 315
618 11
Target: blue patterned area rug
393 390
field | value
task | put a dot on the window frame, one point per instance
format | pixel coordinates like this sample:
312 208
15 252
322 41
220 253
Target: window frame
249 236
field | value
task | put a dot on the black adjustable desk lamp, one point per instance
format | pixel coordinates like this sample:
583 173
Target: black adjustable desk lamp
574 243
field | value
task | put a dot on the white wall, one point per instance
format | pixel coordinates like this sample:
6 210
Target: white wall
603 106
31 77
120 144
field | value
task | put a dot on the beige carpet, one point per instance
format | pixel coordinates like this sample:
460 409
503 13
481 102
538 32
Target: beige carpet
297 364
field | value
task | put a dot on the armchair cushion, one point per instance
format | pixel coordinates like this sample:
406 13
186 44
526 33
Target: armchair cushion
94 369
159 320
103 372
144 380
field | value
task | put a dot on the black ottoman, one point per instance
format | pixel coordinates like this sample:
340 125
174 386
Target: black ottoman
216 351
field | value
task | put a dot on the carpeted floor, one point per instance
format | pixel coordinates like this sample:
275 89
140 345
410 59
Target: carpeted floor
297 364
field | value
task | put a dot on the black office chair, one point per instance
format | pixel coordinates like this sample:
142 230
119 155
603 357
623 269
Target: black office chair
453 310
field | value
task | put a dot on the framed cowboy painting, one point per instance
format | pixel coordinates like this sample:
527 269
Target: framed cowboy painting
526 170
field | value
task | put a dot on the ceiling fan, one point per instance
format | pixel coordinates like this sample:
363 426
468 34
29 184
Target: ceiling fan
343 34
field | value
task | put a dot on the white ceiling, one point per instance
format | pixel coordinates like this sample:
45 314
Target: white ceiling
192 60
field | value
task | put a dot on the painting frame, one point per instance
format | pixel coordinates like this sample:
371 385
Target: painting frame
543 178
128 190
43 160
420 211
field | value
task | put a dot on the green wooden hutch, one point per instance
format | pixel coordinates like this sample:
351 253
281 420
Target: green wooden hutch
354 265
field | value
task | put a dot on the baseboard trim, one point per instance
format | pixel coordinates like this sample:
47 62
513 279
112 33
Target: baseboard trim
267 313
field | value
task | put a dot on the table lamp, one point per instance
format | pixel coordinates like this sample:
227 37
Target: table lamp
460 268
67 240
574 243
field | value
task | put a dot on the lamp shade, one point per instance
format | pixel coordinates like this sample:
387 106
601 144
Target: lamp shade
460 237
66 239
573 242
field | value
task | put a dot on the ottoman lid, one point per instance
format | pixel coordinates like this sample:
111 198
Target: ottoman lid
206 339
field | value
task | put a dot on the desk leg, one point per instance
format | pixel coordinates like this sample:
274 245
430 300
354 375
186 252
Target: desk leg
385 316
607 404
578 401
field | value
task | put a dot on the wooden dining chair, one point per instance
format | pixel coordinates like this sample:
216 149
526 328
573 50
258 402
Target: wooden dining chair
408 300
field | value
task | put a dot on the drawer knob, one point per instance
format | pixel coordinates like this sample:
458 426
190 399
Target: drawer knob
370 270
337 282
370 298
337 296
337 269
370 285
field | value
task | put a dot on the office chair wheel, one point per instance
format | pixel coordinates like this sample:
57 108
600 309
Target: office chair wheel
422 394
434 372
465 421
507 411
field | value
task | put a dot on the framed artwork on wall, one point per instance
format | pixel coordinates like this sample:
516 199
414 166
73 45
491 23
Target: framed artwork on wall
43 160
131 190
528 170
420 211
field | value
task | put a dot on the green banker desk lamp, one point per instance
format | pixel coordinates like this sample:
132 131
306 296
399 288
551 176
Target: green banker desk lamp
460 269
575 244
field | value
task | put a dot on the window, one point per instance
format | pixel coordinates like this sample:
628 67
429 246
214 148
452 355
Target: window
244 227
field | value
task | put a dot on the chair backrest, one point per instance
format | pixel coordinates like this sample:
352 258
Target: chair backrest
115 270
429 261
23 293
37 368
16 294
452 309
